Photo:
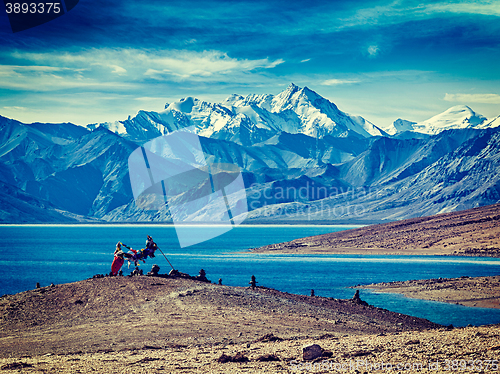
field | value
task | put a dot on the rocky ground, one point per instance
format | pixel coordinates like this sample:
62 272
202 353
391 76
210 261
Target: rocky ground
472 350
483 292
120 313
474 232
162 325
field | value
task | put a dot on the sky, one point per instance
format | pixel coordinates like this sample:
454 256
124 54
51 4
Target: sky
383 60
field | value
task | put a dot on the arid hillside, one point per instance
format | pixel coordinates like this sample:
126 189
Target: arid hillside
473 232
132 312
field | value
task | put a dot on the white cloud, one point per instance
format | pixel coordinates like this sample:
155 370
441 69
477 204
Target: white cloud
132 65
473 98
336 82
17 108
396 11
373 50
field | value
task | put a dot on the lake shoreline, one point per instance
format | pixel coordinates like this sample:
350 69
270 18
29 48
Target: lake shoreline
480 292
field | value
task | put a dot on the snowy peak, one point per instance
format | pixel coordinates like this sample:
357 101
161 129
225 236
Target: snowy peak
314 115
295 110
457 117
184 105
495 122
400 126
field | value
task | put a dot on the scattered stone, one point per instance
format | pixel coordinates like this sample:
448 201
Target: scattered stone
238 357
361 353
136 272
269 338
15 365
412 342
154 270
311 352
327 354
224 358
268 357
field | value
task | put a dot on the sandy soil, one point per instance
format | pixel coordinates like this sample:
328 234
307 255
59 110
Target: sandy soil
482 292
474 232
131 312
472 349
161 325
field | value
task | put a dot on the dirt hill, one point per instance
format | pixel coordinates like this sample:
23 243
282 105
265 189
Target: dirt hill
473 232
132 312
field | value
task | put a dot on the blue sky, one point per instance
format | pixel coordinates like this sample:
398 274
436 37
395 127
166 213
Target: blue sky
382 60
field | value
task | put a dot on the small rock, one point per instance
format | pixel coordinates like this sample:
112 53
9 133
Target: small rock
224 358
311 352
327 354
240 357
268 357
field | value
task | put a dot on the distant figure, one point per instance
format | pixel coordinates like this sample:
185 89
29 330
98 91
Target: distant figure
118 260
220 281
312 292
37 284
252 282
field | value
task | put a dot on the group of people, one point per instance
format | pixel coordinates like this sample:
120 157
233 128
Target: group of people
132 255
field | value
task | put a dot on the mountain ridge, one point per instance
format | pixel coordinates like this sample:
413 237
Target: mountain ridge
330 172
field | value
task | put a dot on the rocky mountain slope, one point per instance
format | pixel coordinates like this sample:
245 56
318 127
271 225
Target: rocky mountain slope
473 232
301 158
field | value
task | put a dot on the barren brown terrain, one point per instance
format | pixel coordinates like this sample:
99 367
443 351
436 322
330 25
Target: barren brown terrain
482 292
473 232
163 325
129 312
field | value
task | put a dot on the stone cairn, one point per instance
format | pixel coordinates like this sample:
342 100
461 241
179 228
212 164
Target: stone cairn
252 282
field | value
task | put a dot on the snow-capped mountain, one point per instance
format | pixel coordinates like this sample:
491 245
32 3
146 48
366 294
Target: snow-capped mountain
400 126
248 120
457 117
317 116
489 124
301 158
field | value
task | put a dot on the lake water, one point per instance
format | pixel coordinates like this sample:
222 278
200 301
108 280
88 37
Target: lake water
61 254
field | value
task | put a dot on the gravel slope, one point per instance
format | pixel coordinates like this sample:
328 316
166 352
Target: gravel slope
473 232
124 313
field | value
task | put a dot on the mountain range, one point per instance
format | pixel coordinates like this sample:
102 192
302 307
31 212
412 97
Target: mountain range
302 159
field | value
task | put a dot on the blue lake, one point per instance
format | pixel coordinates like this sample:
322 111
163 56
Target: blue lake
61 254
